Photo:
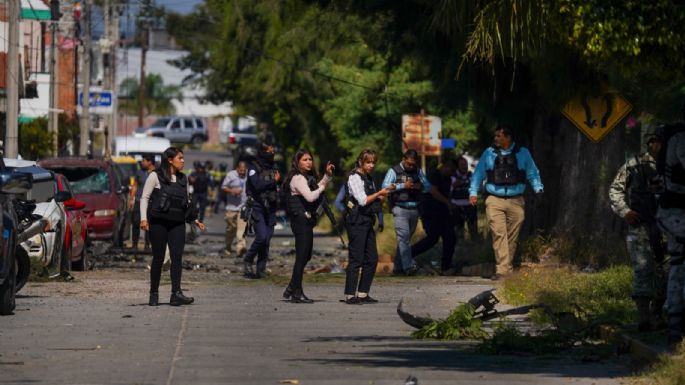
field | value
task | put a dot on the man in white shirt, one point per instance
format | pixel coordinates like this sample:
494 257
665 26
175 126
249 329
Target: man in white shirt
236 197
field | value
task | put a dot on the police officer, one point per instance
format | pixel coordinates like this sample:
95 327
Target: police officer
671 218
165 204
218 176
633 198
303 198
262 192
363 203
507 166
201 182
409 182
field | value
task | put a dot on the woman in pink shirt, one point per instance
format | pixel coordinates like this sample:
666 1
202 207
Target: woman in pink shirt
303 198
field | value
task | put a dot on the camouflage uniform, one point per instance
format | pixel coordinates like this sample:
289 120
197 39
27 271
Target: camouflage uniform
671 218
634 176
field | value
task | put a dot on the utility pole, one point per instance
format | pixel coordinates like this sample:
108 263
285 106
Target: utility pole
13 76
53 117
108 53
144 40
84 119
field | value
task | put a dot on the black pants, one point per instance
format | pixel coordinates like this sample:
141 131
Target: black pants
437 225
263 223
362 254
467 215
303 228
163 233
135 226
201 200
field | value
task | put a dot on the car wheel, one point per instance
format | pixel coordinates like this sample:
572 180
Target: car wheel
23 268
197 139
7 290
82 263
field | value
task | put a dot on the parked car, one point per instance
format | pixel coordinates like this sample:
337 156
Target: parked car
100 186
137 147
11 183
74 250
178 129
242 133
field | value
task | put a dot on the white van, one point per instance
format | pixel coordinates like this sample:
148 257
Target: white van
137 147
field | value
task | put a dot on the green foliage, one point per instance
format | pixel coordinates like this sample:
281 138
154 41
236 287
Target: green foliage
158 96
573 248
603 297
669 369
459 325
35 142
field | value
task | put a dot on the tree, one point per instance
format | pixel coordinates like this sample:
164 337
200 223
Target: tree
158 96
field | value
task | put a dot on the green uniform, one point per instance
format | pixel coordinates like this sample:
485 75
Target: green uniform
631 190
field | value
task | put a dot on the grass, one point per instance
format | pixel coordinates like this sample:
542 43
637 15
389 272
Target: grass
39 272
570 248
603 297
669 370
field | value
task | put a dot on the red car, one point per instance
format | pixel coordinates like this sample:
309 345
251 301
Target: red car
99 184
76 238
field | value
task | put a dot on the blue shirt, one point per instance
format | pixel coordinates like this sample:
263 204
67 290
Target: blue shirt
487 162
391 177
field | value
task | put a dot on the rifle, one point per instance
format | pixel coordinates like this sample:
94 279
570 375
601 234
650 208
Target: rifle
647 212
246 215
327 210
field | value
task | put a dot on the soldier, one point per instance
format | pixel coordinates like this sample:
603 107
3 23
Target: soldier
633 198
670 217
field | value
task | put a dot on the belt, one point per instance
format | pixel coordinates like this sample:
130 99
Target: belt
507 197
407 207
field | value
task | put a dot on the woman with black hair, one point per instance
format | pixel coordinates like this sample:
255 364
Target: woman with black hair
362 203
164 211
303 198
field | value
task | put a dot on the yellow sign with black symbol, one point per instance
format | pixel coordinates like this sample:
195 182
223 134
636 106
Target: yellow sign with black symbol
597 116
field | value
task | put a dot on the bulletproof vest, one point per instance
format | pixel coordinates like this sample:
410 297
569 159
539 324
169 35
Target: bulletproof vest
201 182
405 195
296 204
170 201
462 192
641 198
351 204
268 198
506 171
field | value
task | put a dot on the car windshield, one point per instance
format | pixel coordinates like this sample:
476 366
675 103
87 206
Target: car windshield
86 180
160 122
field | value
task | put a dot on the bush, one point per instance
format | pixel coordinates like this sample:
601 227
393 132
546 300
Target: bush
35 142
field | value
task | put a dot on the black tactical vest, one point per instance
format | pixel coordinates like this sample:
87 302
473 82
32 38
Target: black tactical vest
268 198
297 205
640 198
506 171
351 204
405 195
170 201
462 192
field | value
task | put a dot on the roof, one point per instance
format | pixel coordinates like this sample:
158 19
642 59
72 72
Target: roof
124 159
73 162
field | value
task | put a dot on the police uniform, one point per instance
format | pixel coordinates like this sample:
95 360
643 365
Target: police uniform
359 221
671 218
165 202
262 192
302 208
633 190
201 183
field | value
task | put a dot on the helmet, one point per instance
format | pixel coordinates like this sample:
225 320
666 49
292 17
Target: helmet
223 166
197 164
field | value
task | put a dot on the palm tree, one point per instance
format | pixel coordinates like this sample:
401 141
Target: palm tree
158 96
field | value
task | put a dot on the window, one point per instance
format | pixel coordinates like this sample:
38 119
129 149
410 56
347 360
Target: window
188 124
161 122
176 124
199 123
85 180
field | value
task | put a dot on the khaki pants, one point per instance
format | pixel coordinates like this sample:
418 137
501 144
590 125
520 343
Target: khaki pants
235 229
505 217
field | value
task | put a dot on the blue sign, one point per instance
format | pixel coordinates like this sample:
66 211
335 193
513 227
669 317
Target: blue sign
97 99
448 143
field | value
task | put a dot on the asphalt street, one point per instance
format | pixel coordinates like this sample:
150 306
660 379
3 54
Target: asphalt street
99 330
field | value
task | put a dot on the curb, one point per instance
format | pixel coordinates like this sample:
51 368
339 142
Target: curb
635 347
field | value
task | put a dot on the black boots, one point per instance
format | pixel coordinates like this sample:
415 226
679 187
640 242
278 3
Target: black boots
154 298
288 293
177 299
247 270
299 297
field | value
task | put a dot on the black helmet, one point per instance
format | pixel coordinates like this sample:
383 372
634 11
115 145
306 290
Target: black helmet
223 166
197 164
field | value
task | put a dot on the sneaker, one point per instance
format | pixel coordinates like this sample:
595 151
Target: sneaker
226 254
353 301
411 271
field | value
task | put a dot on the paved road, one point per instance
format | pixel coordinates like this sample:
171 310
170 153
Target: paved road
242 333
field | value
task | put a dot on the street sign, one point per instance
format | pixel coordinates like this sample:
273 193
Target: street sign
423 136
597 116
100 101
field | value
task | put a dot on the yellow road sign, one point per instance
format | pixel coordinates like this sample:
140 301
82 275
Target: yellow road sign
597 116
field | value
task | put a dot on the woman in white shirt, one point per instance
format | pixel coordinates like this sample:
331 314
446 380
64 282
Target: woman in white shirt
303 198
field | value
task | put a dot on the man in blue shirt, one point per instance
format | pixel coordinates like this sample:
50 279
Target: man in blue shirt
409 183
505 168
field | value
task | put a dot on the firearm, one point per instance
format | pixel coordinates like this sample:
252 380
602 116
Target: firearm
647 211
327 210
246 215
